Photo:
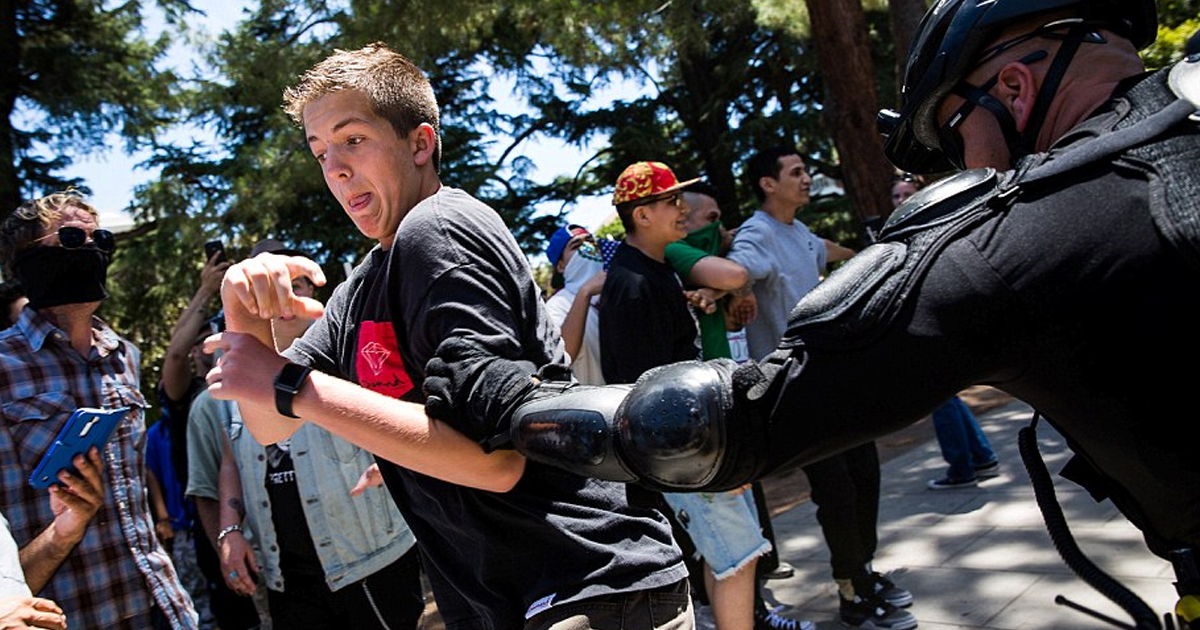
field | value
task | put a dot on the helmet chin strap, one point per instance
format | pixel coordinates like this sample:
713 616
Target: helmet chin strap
1022 143
980 97
1041 104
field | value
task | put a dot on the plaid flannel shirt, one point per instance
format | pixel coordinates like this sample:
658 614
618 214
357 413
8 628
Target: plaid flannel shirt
119 570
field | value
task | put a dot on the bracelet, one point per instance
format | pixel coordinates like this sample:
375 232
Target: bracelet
227 531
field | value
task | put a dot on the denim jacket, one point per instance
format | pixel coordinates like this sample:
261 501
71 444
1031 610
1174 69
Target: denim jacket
354 536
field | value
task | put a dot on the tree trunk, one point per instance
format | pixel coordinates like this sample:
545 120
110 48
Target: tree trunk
904 16
839 32
704 111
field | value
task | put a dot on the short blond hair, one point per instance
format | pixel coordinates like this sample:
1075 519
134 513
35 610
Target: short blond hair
397 90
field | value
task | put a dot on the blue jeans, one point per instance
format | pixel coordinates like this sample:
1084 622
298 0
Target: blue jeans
964 446
723 526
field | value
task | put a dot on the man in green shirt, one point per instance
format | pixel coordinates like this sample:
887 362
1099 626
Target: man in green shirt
699 261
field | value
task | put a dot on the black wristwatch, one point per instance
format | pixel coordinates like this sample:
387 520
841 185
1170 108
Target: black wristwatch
288 383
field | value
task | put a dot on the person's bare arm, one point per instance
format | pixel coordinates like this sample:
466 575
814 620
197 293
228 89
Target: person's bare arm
238 564
575 323
74 504
208 511
718 273
177 370
396 430
232 508
158 510
835 253
258 290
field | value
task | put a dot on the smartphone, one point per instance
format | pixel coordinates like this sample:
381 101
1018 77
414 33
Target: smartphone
214 247
87 427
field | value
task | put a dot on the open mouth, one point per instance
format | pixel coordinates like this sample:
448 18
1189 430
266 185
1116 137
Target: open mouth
358 202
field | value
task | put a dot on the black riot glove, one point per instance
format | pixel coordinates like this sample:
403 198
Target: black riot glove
476 391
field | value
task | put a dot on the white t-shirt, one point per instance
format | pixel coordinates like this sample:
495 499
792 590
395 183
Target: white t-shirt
12 577
587 365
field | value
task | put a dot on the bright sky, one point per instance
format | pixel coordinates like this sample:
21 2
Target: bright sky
112 175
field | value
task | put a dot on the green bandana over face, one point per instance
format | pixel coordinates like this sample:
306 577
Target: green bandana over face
706 239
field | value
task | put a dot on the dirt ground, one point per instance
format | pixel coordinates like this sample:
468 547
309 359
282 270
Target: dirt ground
786 491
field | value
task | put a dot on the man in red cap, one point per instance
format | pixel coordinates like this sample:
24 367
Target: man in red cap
644 317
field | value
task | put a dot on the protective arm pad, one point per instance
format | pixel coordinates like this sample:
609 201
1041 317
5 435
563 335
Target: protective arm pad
676 430
573 431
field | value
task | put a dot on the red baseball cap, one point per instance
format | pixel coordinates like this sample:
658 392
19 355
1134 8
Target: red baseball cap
647 180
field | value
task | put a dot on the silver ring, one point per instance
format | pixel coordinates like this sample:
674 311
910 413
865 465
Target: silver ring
233 575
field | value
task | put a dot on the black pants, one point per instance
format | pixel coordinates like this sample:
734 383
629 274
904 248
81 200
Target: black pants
233 611
770 561
845 489
389 599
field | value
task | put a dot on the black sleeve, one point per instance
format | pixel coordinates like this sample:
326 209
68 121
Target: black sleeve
321 346
861 370
460 291
472 339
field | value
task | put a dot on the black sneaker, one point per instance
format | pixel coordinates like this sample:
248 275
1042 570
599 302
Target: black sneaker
988 470
891 593
874 614
946 483
782 571
772 620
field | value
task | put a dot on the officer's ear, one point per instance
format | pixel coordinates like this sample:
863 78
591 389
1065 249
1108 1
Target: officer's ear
1016 88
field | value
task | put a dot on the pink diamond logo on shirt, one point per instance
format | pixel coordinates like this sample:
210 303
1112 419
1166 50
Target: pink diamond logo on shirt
376 355
379 366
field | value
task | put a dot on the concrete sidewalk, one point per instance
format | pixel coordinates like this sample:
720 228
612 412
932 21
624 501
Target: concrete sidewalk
978 557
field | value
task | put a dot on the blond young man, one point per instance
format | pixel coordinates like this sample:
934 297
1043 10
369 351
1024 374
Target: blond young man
445 298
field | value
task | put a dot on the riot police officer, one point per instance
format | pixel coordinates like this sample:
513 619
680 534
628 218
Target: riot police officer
1059 267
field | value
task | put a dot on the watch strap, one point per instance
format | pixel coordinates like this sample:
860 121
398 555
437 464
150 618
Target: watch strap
288 383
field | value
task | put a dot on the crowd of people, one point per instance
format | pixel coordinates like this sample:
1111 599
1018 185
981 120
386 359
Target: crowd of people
592 458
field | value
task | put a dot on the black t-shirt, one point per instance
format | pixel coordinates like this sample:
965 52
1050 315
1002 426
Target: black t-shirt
297 555
645 321
176 413
492 558
1069 298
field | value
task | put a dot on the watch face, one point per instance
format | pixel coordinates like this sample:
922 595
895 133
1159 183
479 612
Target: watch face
291 377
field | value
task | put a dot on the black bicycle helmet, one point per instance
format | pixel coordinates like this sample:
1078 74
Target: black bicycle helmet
952 36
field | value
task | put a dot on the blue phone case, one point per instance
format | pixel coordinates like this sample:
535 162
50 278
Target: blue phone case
87 427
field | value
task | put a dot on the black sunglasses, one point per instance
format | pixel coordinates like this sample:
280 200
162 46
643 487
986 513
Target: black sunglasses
75 237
